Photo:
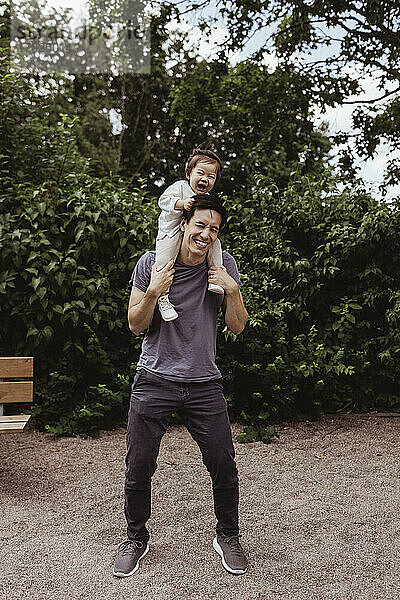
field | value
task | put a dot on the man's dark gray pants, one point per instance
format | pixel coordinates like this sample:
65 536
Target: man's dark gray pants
204 409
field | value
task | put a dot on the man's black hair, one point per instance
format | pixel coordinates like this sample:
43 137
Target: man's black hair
203 201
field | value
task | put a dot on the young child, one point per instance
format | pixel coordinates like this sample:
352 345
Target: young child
203 169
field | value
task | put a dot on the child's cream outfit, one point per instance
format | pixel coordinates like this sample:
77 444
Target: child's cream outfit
169 239
169 236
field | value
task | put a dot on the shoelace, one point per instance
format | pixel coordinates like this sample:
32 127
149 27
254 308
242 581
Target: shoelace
234 544
164 302
129 547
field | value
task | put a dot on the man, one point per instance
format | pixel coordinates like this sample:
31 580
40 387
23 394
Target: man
177 371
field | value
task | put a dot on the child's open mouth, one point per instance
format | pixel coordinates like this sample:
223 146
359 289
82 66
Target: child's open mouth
201 187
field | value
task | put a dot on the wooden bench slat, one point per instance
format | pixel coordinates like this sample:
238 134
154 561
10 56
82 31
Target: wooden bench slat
16 391
13 427
16 366
14 418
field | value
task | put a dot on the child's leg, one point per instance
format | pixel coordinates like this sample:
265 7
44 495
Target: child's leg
167 249
214 259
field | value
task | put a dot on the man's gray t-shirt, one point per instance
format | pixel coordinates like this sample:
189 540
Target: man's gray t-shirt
183 349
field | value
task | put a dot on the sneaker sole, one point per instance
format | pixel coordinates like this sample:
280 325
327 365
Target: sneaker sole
219 551
216 289
169 319
120 574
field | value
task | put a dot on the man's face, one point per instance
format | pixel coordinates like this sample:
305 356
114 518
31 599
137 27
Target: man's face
201 231
203 176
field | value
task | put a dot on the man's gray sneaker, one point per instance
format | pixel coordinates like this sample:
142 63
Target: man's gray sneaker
231 552
129 554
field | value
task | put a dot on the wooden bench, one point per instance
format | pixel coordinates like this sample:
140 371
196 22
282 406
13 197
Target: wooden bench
15 368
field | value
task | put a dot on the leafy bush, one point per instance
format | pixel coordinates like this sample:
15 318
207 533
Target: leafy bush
320 271
66 258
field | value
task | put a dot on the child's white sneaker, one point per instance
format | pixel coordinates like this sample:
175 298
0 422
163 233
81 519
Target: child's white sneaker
167 310
217 289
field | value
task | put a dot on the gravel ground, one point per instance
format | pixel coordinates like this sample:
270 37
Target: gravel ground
319 516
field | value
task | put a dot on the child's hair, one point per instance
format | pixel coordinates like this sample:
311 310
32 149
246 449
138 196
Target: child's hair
206 155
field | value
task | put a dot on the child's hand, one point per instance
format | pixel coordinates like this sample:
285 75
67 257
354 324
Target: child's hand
188 203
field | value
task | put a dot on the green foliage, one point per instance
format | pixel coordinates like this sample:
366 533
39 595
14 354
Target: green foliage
257 433
261 120
319 266
99 408
319 269
338 46
66 257
320 273
37 135
32 149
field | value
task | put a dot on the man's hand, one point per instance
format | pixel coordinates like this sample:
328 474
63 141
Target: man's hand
161 281
233 307
220 276
142 304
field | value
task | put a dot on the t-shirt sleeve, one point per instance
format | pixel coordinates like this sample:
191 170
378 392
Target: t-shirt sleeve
140 277
230 265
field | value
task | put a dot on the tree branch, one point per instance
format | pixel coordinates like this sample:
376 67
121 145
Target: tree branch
380 35
194 7
121 135
374 100
389 70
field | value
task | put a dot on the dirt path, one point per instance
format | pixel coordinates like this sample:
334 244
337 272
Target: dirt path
320 514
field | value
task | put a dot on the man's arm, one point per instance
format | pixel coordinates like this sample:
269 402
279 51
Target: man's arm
234 311
142 304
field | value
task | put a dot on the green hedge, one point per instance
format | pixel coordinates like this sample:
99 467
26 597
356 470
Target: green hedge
320 271
66 258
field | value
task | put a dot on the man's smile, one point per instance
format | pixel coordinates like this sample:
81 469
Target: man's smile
200 243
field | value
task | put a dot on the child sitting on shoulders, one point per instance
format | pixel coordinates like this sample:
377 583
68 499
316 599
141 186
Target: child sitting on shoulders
202 171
